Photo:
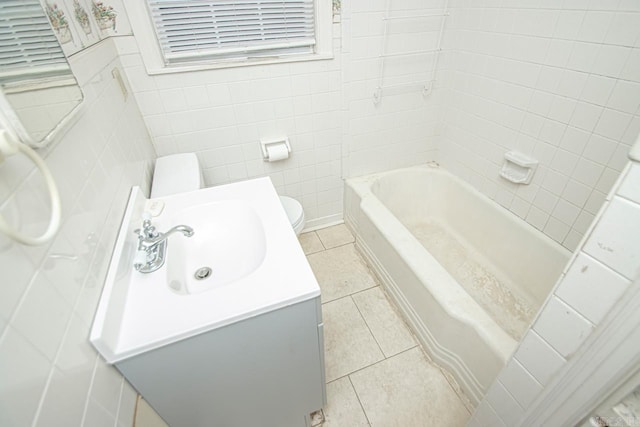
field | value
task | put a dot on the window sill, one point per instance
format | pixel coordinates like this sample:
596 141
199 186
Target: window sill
185 68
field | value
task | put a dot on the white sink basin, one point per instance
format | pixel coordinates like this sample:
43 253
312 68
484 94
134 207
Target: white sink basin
241 232
228 244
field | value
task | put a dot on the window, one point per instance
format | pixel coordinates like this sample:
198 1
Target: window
195 34
27 43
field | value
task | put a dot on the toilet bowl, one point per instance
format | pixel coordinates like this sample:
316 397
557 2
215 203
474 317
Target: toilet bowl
294 211
179 173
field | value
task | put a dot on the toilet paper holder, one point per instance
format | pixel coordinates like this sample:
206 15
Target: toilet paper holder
265 145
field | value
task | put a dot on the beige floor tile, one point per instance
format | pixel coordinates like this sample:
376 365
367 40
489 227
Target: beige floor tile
343 408
340 271
387 327
407 390
337 235
310 243
348 343
146 416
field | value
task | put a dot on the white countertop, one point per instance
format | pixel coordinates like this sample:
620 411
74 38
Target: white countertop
139 312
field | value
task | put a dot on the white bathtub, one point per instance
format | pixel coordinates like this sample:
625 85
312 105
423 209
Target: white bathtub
467 274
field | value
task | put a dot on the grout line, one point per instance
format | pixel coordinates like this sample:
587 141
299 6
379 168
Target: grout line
359 401
351 294
368 327
339 246
374 363
320 240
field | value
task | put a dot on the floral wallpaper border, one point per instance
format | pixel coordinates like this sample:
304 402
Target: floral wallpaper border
79 24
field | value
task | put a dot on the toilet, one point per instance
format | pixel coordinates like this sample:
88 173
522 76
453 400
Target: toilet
179 173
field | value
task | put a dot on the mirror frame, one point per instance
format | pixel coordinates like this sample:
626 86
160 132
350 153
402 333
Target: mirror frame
10 121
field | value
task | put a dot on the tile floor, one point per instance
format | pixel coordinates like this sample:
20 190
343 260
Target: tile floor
377 374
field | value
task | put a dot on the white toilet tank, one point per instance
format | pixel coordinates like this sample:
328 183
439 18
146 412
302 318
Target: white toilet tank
179 173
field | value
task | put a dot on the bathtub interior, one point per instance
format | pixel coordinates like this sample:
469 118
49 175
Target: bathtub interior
507 266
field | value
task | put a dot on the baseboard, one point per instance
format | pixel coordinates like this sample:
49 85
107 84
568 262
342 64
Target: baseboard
325 221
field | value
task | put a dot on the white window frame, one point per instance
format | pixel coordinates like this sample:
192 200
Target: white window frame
145 35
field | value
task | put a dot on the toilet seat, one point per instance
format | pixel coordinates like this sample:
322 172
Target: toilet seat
294 211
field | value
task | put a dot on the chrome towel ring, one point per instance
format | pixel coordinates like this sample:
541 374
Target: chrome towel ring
8 147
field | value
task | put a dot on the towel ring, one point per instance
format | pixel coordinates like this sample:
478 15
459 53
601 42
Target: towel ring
9 147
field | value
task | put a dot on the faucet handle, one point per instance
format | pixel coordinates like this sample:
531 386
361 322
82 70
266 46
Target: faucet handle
146 219
148 229
140 260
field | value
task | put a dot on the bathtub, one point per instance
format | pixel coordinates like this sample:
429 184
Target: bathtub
467 275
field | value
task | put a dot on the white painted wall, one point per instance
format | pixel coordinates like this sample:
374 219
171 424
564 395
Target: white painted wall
559 81
49 373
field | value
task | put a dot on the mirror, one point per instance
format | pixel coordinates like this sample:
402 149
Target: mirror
38 91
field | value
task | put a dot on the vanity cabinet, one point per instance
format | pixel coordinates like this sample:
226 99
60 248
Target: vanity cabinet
267 371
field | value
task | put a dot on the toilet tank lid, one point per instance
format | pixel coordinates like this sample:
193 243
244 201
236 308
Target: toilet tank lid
177 173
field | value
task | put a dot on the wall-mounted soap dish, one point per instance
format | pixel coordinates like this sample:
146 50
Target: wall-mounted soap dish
518 168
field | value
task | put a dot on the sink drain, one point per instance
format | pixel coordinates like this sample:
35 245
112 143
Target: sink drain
202 273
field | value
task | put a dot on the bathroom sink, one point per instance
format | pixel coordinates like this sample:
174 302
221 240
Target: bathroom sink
241 233
227 245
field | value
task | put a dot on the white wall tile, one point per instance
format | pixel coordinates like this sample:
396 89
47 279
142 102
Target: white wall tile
520 383
96 415
21 386
597 89
574 140
579 89
625 96
42 316
566 212
573 333
556 229
612 124
538 357
486 416
591 288
46 320
610 60
630 187
595 26
587 172
614 240
576 193
504 404
586 116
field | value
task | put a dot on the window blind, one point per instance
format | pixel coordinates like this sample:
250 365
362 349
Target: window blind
27 42
195 29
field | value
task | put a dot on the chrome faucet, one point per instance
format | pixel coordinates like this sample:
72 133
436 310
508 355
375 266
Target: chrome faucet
152 244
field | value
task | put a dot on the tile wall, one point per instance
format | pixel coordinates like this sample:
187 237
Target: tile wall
50 375
325 107
222 114
559 81
401 130
606 264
